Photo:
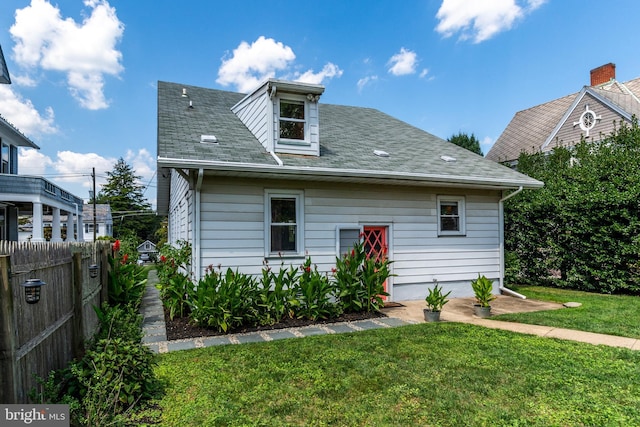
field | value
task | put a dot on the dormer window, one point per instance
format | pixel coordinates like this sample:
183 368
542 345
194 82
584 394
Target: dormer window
292 120
283 116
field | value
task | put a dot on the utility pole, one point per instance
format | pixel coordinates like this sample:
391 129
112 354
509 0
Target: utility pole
93 177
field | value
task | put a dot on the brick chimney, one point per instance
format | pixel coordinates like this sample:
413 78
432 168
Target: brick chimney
603 74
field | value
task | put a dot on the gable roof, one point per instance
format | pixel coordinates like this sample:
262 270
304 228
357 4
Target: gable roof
348 138
4 71
14 136
539 128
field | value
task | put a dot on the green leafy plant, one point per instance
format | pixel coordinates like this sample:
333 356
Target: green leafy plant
115 374
277 294
483 288
127 280
435 299
174 283
225 301
314 294
360 280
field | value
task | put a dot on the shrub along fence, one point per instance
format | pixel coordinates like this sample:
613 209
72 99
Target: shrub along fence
40 337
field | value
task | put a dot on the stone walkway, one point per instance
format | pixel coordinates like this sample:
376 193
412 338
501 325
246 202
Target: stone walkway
410 312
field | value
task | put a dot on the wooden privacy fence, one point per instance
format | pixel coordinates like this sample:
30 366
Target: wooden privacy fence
38 338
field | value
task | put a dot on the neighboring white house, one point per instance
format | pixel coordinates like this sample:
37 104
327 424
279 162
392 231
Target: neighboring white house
277 176
103 222
147 247
31 196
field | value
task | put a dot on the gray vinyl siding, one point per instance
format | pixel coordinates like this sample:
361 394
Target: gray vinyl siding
254 114
180 210
232 230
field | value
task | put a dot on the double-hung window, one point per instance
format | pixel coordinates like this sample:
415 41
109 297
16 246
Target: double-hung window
292 121
451 216
284 226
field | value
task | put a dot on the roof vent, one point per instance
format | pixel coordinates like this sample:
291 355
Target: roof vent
448 159
208 139
380 153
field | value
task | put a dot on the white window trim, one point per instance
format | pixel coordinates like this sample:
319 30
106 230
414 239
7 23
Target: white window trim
461 212
307 132
299 196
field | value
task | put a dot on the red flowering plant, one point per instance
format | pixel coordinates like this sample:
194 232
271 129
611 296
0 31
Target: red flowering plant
314 294
360 279
127 280
174 281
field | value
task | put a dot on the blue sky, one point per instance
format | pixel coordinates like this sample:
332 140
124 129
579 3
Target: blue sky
85 72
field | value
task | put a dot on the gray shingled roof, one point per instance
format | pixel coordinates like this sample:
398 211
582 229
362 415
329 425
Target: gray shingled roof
348 138
530 128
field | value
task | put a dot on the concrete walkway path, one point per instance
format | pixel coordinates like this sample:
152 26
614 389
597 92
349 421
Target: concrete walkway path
461 310
406 313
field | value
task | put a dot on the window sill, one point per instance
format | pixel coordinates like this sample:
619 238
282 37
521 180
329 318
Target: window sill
284 256
297 142
452 234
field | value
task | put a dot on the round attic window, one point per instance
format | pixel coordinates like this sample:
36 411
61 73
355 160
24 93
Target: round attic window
588 120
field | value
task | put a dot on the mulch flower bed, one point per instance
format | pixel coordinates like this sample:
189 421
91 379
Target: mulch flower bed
181 328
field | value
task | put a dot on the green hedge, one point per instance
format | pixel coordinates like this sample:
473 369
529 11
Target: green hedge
582 230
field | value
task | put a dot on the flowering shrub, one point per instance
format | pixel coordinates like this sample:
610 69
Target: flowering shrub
314 294
174 282
360 280
127 280
228 300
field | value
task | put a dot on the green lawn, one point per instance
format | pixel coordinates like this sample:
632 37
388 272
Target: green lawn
443 374
605 314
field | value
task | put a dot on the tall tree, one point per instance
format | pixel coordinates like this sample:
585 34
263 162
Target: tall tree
132 214
463 140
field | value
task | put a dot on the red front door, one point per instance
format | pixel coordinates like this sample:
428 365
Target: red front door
375 245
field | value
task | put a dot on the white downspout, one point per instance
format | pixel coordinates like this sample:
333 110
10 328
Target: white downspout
197 256
501 239
276 158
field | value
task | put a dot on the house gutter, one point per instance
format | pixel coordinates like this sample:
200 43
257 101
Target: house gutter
501 239
197 247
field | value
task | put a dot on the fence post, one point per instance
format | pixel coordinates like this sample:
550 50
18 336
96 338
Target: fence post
8 365
78 322
104 273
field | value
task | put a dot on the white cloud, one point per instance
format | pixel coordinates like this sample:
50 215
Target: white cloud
84 52
253 63
72 171
24 80
403 63
143 163
329 71
365 81
480 20
424 72
23 115
33 162
486 144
